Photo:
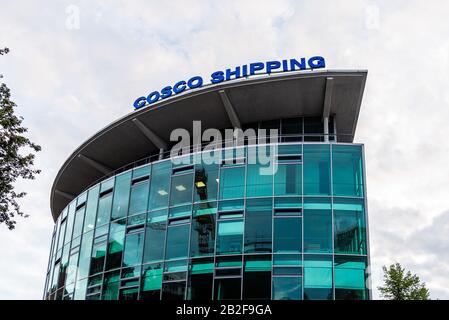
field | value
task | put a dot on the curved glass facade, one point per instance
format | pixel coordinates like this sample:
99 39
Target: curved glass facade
222 230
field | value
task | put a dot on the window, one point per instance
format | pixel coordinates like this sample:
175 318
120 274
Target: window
230 236
288 180
133 249
227 289
181 189
317 225
287 288
151 282
232 182
104 207
91 208
177 242
350 278
349 226
121 195
258 235
173 290
200 279
257 277
129 294
159 189
115 244
287 235
70 222
78 225
316 170
85 254
98 256
317 277
202 240
206 182
259 180
110 285
155 238
347 171
138 201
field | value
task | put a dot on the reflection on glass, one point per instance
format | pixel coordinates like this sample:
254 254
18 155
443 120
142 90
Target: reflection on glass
177 242
181 189
151 282
230 237
349 226
316 170
317 277
159 189
258 225
317 225
287 235
347 170
232 182
202 240
350 278
287 288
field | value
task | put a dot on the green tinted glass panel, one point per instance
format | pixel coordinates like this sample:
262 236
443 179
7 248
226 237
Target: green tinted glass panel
317 225
152 277
138 201
350 278
287 235
104 208
159 189
133 249
206 182
80 289
155 241
230 237
258 233
318 277
288 180
78 225
181 189
349 226
97 259
287 288
347 171
110 285
202 239
115 245
232 182
200 279
70 221
121 195
91 208
85 253
287 260
259 176
177 242
142 171
316 170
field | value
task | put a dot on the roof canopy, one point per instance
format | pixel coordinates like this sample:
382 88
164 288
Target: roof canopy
143 132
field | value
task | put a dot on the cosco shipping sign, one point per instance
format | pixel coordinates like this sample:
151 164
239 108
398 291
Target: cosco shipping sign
316 62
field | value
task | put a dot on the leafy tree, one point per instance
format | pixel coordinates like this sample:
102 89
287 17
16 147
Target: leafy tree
13 164
400 284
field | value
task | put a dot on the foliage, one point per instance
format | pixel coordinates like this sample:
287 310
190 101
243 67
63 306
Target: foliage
400 284
13 163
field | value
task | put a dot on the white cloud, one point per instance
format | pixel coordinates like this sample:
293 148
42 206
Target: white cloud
61 77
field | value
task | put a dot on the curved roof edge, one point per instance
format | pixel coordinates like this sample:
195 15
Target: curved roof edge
143 132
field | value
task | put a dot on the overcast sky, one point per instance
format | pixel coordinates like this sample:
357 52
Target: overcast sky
70 80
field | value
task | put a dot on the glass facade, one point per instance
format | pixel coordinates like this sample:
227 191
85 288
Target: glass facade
294 230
